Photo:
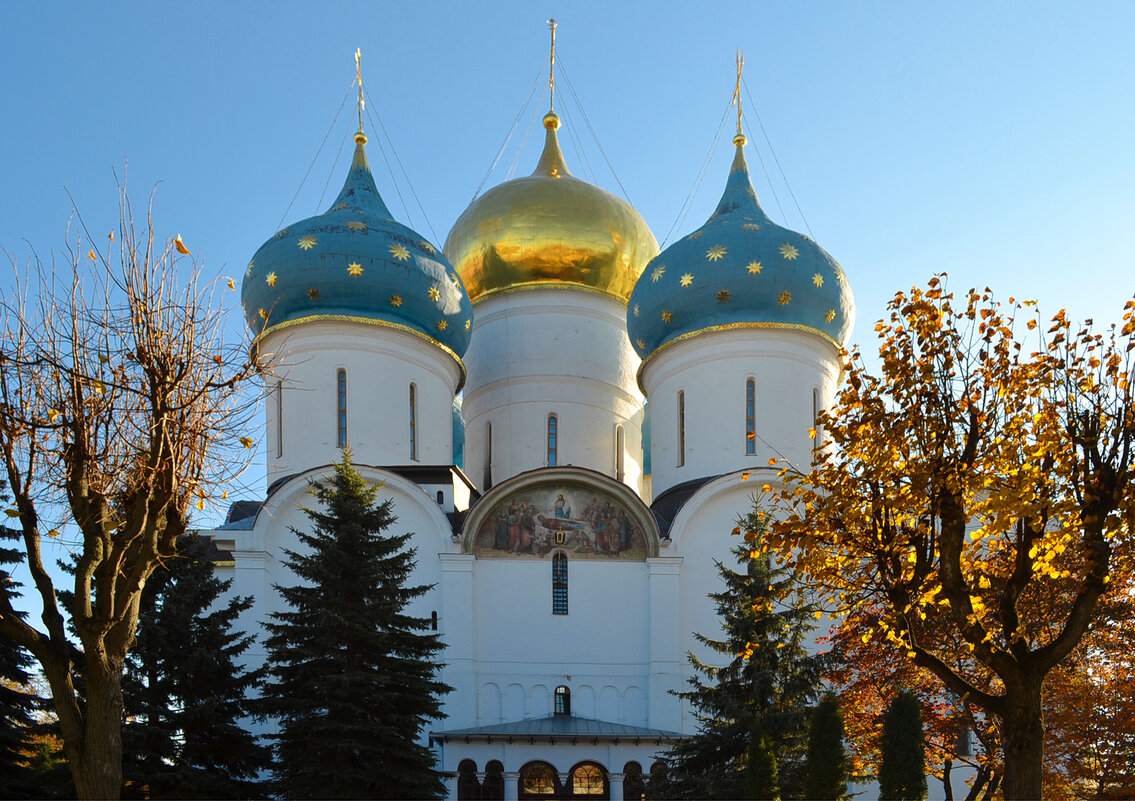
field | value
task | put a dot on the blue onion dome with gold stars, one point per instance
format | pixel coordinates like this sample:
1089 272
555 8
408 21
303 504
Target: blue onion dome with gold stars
355 262
550 229
739 270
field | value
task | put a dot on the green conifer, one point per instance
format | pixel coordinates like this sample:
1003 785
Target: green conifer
902 774
826 768
186 696
354 676
770 680
18 703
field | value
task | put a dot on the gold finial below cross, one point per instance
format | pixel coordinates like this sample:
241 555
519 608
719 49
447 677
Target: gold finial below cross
737 90
359 75
552 68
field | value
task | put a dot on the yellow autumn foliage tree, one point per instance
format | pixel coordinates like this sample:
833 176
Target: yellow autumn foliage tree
976 497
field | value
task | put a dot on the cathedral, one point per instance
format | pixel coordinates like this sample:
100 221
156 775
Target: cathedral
569 421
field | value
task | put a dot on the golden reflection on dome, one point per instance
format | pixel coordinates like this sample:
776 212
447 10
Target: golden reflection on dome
550 227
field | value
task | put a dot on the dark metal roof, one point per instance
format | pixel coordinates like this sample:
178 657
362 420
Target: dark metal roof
557 727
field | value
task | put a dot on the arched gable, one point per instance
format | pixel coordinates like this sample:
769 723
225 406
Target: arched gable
572 508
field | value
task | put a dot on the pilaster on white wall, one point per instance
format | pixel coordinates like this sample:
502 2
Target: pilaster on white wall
665 651
457 629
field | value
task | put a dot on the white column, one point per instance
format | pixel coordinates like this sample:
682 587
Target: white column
665 651
616 782
511 785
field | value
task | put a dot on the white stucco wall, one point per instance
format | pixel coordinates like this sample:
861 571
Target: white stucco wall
551 351
711 371
380 364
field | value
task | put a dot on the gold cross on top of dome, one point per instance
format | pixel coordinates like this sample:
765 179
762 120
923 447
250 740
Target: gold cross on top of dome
739 139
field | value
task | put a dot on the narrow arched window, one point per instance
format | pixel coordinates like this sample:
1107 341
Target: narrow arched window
341 395
818 435
559 584
563 700
620 446
553 439
279 419
681 428
488 479
751 416
413 422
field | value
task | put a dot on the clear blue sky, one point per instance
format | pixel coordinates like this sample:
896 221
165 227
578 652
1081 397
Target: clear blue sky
991 141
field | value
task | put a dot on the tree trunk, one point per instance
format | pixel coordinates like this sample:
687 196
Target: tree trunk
98 773
1022 737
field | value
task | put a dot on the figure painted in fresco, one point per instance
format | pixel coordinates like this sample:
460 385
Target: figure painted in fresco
535 523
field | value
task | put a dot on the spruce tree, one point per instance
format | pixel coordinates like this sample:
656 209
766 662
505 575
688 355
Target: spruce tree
767 687
826 768
185 693
18 702
354 676
902 773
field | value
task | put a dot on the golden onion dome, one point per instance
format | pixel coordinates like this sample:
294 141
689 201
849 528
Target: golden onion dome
550 229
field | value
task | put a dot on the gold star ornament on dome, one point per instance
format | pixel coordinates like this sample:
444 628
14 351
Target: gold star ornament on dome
442 325
818 279
435 293
667 317
355 225
657 272
696 234
427 247
637 311
340 207
270 279
829 316
281 233
751 227
784 298
641 344
715 253
789 251
263 314
313 293
399 252
686 280
396 301
723 296
468 323
754 268
306 242
355 269
248 272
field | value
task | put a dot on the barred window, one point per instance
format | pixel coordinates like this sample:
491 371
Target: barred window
559 584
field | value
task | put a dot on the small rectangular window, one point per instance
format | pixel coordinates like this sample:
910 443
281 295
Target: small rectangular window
342 409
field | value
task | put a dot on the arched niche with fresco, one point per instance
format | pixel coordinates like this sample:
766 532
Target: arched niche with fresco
570 509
